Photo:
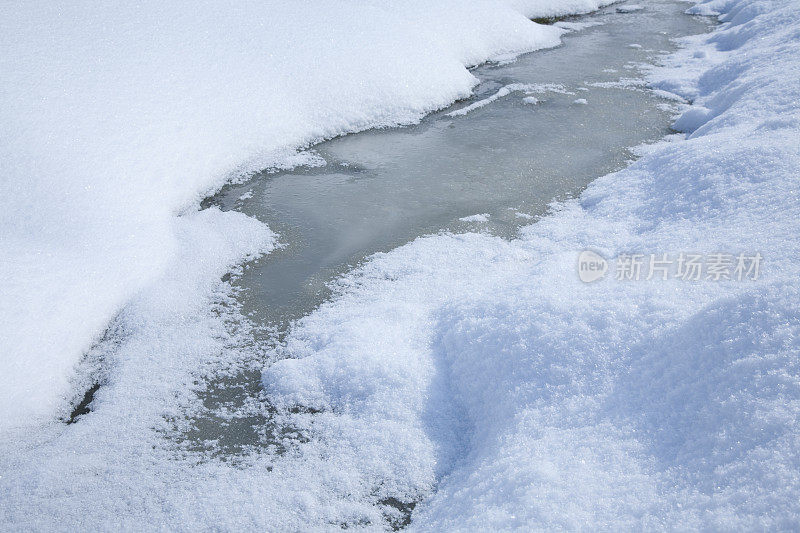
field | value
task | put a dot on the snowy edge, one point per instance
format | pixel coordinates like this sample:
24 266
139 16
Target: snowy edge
109 140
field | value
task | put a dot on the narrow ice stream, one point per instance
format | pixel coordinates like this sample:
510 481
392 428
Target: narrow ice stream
508 159
553 121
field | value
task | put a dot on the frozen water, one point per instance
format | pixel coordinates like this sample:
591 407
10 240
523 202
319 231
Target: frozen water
383 188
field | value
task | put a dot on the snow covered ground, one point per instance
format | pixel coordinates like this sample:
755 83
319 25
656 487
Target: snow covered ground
115 119
477 375
526 399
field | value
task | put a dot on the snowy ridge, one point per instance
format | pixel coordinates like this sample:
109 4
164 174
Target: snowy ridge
115 119
525 399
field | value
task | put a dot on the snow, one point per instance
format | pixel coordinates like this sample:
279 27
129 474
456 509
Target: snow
482 217
116 119
503 91
476 375
581 101
629 8
531 400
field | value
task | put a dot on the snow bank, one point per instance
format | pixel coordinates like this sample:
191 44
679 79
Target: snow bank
483 379
116 118
555 8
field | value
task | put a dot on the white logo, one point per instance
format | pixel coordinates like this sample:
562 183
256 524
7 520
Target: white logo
591 266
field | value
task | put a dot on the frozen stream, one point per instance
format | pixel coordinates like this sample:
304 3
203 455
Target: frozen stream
380 189
508 159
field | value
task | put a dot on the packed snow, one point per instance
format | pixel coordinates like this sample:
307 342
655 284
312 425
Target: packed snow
473 376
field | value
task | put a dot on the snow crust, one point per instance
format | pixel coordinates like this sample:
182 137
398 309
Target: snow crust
117 118
482 377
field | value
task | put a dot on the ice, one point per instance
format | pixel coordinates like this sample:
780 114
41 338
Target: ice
576 26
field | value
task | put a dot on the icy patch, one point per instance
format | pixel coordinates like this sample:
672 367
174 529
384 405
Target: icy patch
504 91
622 83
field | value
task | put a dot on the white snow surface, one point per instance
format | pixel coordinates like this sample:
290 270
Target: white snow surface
476 375
116 118
483 377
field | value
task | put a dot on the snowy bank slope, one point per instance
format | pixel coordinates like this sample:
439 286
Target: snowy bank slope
115 118
483 376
